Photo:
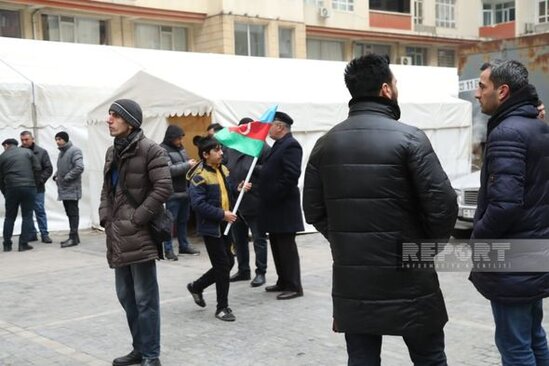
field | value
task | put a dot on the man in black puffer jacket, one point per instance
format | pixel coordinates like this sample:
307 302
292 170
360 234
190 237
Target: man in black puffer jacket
513 204
372 183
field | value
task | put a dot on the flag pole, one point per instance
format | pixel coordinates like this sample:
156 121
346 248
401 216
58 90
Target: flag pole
237 204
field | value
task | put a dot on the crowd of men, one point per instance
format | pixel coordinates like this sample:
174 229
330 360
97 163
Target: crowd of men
371 184
24 172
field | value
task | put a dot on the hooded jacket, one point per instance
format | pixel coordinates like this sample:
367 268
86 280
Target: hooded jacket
371 184
513 201
143 169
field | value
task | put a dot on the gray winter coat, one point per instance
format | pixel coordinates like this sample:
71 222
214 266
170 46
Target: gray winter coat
68 177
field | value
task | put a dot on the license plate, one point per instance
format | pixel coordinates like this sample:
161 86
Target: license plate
469 213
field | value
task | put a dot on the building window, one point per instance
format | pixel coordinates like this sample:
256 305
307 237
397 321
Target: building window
324 50
447 58
285 42
318 3
249 39
160 37
396 6
361 49
10 25
418 12
418 55
445 13
345 5
73 29
499 13
543 9
487 14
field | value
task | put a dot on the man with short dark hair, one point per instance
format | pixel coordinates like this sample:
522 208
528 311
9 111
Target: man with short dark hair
136 173
68 177
46 170
18 170
513 203
372 184
280 206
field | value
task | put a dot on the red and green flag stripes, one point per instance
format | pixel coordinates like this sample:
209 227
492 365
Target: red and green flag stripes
250 137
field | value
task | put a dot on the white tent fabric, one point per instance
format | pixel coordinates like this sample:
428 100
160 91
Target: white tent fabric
74 84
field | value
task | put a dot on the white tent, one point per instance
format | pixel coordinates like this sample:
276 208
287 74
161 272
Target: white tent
65 81
72 84
312 92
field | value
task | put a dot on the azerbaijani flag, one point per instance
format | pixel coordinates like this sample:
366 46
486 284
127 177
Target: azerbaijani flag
248 138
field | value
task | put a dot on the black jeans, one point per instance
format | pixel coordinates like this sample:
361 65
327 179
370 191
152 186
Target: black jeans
71 209
222 261
25 197
424 350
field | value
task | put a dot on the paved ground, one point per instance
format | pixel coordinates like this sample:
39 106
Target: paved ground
58 307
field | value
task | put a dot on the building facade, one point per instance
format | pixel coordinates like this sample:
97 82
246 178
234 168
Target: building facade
417 32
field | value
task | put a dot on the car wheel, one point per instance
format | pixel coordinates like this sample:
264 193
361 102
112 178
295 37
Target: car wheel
462 233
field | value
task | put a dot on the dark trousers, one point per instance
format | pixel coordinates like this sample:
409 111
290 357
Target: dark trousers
222 261
25 197
180 209
424 350
239 231
286 259
137 291
71 209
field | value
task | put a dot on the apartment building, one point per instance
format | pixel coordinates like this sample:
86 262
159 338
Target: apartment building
418 32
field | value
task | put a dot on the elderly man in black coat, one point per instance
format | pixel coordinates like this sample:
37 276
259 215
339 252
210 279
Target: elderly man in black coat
280 207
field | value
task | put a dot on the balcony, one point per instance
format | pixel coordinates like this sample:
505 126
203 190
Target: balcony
380 19
498 31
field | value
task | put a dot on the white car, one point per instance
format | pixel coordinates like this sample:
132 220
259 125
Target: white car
466 188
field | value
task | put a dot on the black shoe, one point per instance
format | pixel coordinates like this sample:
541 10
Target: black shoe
225 315
24 246
132 358
170 256
7 247
289 295
197 296
69 243
240 276
189 250
151 362
33 237
46 239
259 280
274 288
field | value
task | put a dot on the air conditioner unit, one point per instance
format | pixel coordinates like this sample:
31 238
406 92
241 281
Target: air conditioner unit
528 28
405 60
324 12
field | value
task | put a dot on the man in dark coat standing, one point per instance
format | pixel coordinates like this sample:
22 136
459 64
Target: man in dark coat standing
239 165
280 206
46 170
372 184
136 173
179 204
513 204
18 170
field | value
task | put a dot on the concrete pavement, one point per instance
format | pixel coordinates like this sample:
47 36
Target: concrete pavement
59 307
